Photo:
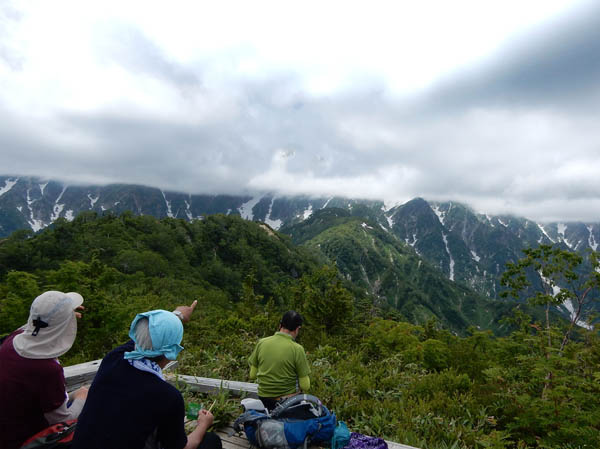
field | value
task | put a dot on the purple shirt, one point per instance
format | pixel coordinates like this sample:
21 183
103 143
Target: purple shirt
28 389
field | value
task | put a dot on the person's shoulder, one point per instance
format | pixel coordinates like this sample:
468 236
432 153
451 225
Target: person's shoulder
297 345
166 392
120 350
7 341
266 339
114 359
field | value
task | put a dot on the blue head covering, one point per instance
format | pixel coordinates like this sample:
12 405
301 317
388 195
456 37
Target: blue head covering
166 332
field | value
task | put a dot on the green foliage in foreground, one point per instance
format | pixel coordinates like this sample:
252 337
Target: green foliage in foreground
415 384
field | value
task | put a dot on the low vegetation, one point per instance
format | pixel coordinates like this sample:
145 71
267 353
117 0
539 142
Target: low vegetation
421 385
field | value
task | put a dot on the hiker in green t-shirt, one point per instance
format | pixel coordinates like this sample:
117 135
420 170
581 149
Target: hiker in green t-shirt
279 363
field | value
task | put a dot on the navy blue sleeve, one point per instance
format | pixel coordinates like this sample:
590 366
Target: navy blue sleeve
171 432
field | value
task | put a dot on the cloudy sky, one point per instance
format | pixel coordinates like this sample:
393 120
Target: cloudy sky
492 103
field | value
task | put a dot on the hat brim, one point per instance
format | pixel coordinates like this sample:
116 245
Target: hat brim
76 299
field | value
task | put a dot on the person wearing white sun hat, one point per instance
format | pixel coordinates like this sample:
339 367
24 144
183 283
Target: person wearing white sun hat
32 385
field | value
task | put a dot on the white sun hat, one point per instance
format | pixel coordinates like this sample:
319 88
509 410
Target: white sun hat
51 328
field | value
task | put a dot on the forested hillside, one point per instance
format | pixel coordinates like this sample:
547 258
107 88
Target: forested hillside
392 273
417 384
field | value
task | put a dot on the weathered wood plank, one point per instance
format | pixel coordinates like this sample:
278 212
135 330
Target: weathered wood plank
79 375
237 441
234 439
209 385
393 445
83 374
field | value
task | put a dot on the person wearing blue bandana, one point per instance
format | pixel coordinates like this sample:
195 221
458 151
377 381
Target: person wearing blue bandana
129 404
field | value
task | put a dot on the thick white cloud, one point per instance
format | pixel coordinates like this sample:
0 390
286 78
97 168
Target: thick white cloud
494 104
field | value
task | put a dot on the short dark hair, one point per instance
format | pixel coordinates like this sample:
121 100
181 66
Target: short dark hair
291 320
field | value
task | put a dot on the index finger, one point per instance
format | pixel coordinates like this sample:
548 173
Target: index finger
194 304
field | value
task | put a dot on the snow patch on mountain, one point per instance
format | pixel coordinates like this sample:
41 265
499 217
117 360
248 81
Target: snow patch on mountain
502 223
56 210
20 208
308 212
326 203
445 238
388 205
366 226
561 228
555 288
70 215
591 239
568 304
35 224
188 212
475 257
390 220
440 213
545 233
61 194
58 207
414 240
8 184
92 200
168 203
43 187
275 224
245 209
489 219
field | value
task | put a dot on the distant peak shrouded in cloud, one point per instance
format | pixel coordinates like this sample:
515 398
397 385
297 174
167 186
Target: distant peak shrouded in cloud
380 102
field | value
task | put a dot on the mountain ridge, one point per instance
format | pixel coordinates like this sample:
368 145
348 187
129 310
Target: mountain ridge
466 246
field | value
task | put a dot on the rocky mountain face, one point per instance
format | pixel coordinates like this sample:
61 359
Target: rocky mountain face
474 248
32 203
374 259
468 247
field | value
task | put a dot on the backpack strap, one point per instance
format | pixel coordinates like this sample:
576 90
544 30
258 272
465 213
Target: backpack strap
249 417
53 439
295 400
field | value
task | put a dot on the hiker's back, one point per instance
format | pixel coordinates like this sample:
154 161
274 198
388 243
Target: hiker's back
280 361
28 388
126 405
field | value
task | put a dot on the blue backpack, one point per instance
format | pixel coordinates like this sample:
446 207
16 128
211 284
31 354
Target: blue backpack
341 436
298 421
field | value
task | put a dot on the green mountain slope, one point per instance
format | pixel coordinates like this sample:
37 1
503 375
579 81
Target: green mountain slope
377 261
219 251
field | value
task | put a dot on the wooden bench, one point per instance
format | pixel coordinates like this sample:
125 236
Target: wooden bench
236 441
79 375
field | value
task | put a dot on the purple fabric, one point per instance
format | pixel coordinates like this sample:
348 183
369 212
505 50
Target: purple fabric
360 441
